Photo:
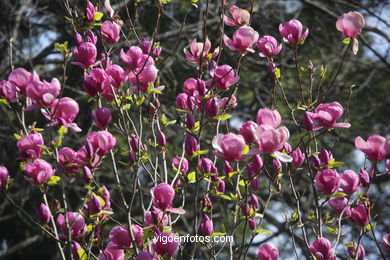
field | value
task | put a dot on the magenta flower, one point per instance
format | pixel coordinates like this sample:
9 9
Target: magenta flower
64 111
146 47
162 196
38 172
43 93
292 32
246 132
185 102
269 117
155 217
338 205
350 24
360 215
101 141
95 81
117 74
76 224
161 140
349 182
267 252
243 39
4 176
327 181
352 251
165 245
326 116
110 31
229 147
195 54
364 178
145 255
298 157
133 58
386 245
206 166
43 214
8 90
376 147
268 46
101 117
183 164
223 77
206 225
322 249
85 54
120 236
211 107
220 186
191 145
68 160
240 17
90 11
21 78
143 76
325 156
223 103
112 253
29 146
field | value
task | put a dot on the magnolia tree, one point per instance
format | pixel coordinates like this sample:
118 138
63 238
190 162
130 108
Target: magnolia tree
205 180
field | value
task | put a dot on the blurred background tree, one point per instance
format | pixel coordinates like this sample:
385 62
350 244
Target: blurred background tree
29 29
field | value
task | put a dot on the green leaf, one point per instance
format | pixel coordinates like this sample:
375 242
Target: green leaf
126 107
303 69
58 142
54 179
223 228
62 131
332 230
347 244
82 254
3 101
277 74
339 195
223 196
17 137
263 231
223 117
217 234
97 16
347 40
191 177
232 173
140 101
164 119
323 71
200 152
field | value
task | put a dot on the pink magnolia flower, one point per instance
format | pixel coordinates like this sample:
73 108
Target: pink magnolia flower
145 255
229 147
269 117
76 224
38 172
360 252
162 196
191 145
386 241
322 249
165 245
133 58
110 31
43 93
112 253
267 252
117 75
147 48
195 88
199 52
206 225
21 78
327 181
376 147
101 117
8 90
43 214
161 140
268 46
183 162
68 160
292 32
211 107
338 205
223 77
349 182
185 102
95 81
206 166
240 17
243 39
350 24
143 76
120 236
360 215
364 178
326 116
298 157
155 217
223 103
64 111
4 176
246 132
325 156
85 54
29 146
101 141
90 11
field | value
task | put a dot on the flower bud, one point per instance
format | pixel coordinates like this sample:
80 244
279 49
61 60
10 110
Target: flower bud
227 168
349 182
325 156
190 121
206 202
246 132
110 31
298 157
206 225
212 107
255 182
338 205
352 251
165 249
292 32
220 186
4 176
327 181
191 145
252 224
277 165
101 117
307 122
268 252
183 162
322 248
162 196
77 229
316 161
43 214
254 201
134 143
360 215
364 178
38 172
161 140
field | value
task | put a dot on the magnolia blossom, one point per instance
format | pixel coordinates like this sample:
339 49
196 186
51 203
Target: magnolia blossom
322 249
386 241
43 214
90 11
4 176
339 205
243 39
298 157
360 215
240 17
229 147
101 117
349 182
292 32
101 141
223 77
21 78
326 116
327 181
63 112
110 31
191 145
246 132
8 90
38 172
269 117
267 252
30 146
85 54
376 147
199 51
42 93
155 217
350 24
360 252
206 225
112 253
68 160
162 196
121 237
268 46
165 246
